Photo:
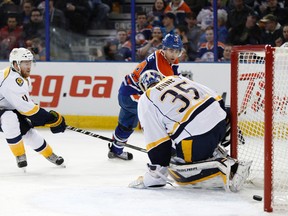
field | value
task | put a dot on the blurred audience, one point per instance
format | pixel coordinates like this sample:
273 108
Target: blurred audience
8 7
156 15
77 13
25 15
57 17
11 36
99 16
179 8
182 31
237 15
205 16
193 35
37 47
273 7
36 27
246 33
226 53
284 37
222 28
168 21
272 30
142 25
111 53
121 38
206 51
196 5
152 45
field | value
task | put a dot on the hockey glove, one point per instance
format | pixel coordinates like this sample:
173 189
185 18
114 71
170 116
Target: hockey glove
58 124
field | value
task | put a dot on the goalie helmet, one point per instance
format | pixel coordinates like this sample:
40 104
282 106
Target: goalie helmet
20 54
172 41
187 74
149 77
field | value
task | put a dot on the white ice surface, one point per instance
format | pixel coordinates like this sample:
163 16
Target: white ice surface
93 185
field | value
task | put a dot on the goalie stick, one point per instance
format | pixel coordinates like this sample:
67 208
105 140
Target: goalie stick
104 138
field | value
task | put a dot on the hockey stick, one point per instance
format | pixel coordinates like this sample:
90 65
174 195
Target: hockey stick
104 138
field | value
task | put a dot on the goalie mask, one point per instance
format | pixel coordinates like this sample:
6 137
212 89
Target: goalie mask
148 78
18 55
187 74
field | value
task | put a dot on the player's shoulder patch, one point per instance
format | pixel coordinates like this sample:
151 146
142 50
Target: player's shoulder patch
19 81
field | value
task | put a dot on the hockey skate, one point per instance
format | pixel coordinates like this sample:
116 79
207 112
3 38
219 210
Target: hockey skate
57 160
21 161
239 177
116 151
155 177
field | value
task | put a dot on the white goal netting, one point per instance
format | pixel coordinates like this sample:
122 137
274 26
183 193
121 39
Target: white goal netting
251 72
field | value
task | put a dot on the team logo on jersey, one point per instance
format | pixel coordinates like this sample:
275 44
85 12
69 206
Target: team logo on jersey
19 81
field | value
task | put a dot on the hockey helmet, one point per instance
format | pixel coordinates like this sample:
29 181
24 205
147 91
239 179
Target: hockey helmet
149 77
20 54
172 41
187 74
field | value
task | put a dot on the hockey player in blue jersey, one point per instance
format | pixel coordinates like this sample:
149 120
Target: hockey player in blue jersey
164 60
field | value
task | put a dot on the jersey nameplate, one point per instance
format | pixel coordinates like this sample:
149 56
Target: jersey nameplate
19 81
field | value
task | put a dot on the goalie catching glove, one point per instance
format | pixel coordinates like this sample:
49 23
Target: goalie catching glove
58 124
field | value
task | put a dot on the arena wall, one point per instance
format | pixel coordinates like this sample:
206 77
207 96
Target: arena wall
86 92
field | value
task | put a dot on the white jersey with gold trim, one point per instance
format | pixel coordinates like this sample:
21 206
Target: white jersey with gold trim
14 93
178 108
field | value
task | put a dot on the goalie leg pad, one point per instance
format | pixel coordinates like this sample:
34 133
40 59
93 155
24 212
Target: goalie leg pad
200 172
195 173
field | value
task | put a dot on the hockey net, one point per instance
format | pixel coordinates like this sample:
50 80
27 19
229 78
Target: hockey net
259 118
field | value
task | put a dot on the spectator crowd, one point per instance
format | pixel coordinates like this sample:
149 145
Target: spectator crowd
239 22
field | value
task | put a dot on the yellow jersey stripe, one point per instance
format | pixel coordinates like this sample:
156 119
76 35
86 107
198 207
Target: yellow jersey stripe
187 150
6 72
31 112
156 143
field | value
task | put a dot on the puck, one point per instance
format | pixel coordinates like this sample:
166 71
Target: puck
257 197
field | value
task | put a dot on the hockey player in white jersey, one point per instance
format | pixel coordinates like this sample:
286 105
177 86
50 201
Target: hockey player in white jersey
19 114
190 115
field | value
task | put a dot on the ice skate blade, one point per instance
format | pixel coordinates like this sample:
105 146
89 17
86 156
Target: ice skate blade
62 165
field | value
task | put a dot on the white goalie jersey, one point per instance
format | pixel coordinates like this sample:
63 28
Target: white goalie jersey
178 108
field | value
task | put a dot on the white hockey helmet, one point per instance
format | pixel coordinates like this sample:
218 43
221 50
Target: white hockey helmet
20 54
149 77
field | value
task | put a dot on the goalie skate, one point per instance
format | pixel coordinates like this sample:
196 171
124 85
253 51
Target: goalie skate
155 177
242 173
138 183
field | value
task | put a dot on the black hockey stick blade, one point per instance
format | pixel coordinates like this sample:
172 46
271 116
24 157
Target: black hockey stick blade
88 133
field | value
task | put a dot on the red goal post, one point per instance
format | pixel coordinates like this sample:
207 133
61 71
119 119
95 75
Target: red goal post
259 113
